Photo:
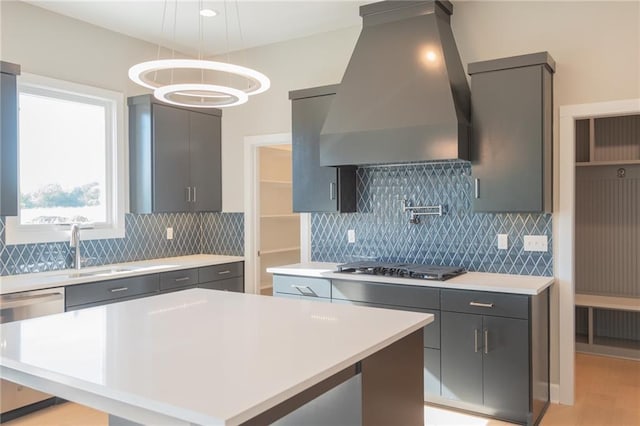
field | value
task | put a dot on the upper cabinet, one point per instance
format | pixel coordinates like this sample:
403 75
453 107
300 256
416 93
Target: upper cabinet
8 139
174 157
317 188
511 149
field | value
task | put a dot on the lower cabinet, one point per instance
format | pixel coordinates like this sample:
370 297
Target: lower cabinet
488 354
227 277
406 298
485 352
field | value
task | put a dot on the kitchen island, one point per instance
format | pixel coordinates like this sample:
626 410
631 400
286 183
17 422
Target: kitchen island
211 357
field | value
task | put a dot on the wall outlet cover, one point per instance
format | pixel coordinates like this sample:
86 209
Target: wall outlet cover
536 243
503 241
169 233
351 236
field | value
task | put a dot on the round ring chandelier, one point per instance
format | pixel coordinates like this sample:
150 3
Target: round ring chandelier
198 94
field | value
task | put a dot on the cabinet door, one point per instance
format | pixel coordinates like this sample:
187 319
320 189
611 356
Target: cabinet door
316 188
171 159
507 148
205 162
461 353
8 145
506 367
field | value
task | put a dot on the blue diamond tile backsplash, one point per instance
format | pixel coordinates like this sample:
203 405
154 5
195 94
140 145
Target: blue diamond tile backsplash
214 233
459 238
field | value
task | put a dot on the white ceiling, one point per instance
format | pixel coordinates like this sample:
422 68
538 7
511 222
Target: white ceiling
261 21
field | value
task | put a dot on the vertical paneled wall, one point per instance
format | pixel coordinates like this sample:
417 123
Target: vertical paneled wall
608 230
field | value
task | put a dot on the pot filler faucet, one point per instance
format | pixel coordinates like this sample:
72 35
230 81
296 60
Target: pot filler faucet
75 242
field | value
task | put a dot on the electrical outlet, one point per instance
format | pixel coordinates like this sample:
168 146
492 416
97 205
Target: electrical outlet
503 241
351 236
535 243
169 233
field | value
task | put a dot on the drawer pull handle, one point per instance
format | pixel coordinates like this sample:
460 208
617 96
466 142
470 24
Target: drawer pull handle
119 289
486 341
305 290
224 272
182 279
481 305
475 340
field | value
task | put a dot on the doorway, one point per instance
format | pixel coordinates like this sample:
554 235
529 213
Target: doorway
273 234
564 237
278 236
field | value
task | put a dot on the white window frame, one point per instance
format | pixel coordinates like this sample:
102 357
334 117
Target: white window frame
116 188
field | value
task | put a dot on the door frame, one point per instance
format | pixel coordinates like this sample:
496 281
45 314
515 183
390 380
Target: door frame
564 232
251 213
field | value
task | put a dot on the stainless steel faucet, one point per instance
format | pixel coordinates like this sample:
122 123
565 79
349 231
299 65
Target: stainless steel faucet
75 242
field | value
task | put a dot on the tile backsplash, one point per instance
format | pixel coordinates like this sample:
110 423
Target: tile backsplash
460 237
145 238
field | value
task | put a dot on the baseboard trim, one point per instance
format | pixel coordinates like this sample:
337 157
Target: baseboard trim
554 393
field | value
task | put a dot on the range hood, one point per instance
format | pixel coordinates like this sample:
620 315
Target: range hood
404 96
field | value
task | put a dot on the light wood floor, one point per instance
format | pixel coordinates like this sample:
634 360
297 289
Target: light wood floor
607 393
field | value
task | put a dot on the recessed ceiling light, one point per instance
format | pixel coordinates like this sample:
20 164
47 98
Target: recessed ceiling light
208 12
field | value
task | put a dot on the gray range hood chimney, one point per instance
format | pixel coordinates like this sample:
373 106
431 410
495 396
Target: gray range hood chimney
404 96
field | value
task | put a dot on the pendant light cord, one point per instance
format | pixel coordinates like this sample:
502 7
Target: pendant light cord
164 17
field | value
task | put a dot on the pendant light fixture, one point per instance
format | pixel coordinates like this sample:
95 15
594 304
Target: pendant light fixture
199 83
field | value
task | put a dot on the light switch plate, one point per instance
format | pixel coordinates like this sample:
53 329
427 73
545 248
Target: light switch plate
503 241
169 233
351 236
536 243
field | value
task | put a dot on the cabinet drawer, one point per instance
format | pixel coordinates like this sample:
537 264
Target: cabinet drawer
176 279
387 294
486 303
431 331
111 290
302 286
231 284
220 272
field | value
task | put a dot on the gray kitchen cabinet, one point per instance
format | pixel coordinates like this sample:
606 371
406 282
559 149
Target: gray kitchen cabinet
8 139
225 277
317 188
318 289
174 156
178 280
110 291
407 298
495 353
512 136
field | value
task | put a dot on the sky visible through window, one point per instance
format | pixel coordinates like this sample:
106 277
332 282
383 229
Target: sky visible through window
62 160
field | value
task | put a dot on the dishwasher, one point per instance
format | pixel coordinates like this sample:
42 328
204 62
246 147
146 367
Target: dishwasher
16 400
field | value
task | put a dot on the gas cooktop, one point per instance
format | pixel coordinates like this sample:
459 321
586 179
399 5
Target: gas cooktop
402 270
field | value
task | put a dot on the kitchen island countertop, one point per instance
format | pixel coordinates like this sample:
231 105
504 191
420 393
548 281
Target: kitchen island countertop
67 277
478 281
197 356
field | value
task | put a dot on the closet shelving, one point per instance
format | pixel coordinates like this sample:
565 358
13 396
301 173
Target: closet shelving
279 226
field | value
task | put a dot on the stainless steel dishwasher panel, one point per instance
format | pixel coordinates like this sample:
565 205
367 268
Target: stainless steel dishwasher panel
21 306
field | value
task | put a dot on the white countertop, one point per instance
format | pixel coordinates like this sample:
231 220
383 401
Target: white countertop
201 356
66 277
479 281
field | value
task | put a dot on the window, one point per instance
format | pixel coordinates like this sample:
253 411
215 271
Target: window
71 161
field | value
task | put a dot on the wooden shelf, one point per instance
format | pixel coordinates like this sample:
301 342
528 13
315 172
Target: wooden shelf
282 250
608 163
280 216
